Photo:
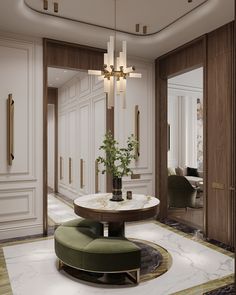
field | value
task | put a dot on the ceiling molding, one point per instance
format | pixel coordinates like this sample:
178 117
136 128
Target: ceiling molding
117 30
17 18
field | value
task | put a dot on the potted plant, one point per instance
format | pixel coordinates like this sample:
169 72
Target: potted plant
116 161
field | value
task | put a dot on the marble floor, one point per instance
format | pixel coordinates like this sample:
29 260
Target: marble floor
59 211
198 267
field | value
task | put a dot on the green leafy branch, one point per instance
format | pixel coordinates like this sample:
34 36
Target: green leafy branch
117 160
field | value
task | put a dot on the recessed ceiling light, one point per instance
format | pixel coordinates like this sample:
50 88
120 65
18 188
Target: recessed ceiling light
65 71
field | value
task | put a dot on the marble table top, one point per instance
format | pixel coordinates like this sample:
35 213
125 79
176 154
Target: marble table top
102 202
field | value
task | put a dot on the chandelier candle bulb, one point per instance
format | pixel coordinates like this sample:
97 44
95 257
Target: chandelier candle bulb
118 86
129 70
105 59
95 72
135 75
123 100
118 63
106 85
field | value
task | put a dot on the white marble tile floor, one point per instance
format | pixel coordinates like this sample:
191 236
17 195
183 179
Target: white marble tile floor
59 211
32 266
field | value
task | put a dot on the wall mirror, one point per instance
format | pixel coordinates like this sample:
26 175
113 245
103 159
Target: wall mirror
76 119
185 183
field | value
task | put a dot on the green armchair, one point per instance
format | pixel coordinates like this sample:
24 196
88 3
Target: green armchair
181 194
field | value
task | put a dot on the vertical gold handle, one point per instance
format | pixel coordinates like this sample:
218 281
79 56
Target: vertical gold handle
10 129
96 177
137 131
45 4
61 159
55 7
81 173
168 137
70 171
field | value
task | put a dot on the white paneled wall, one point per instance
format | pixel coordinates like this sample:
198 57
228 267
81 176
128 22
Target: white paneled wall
21 197
82 125
182 118
140 92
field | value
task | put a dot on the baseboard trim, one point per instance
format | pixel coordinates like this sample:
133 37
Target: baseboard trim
24 231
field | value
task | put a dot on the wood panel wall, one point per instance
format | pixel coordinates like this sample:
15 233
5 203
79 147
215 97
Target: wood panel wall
220 127
215 52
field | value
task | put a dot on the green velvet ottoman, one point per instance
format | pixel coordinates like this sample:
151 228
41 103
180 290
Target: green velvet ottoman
80 244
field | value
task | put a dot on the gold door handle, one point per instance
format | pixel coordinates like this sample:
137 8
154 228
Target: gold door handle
10 129
61 159
70 171
137 131
81 173
96 177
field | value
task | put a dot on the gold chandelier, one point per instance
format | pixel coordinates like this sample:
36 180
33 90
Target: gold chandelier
115 71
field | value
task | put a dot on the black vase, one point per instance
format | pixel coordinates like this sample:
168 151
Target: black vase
116 189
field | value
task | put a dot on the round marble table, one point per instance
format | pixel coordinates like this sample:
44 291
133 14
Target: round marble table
99 207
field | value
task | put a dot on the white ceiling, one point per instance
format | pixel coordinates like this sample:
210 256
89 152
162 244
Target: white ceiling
155 14
17 17
193 79
58 77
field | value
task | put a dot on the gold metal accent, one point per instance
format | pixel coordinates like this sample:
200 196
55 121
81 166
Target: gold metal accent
55 7
59 264
137 28
168 137
135 176
96 177
137 130
81 173
70 172
10 129
45 4
217 185
61 159
144 30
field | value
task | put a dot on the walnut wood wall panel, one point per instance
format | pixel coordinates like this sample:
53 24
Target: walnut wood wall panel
220 153
185 58
215 52
73 56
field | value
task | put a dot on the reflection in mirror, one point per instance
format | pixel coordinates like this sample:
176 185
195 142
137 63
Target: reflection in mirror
76 127
185 148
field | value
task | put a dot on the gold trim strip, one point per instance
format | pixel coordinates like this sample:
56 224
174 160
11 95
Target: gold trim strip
208 286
